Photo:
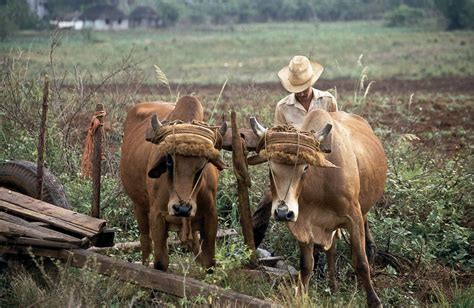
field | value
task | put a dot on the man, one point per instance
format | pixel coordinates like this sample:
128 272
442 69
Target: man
298 79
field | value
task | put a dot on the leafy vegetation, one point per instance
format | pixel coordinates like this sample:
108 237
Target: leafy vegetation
403 16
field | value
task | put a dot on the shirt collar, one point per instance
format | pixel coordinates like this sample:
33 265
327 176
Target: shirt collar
291 101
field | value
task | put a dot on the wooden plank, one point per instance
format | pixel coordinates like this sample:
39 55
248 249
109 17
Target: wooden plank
26 241
79 220
162 281
36 231
24 212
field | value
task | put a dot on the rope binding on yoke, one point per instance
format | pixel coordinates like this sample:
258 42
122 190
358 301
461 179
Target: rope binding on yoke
187 139
285 144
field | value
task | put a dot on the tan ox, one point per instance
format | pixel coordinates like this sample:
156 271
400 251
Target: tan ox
169 192
317 201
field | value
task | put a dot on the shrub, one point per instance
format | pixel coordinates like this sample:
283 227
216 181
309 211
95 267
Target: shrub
403 16
459 13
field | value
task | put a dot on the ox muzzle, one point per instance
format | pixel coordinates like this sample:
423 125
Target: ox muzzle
182 209
282 213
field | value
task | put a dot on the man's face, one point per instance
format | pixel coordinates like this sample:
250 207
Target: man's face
305 94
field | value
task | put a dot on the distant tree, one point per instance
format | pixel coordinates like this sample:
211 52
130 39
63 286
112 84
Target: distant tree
459 13
59 7
14 15
403 15
168 11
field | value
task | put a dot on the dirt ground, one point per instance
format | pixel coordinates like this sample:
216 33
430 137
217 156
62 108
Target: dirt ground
443 106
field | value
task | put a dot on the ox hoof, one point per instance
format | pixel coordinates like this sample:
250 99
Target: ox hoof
159 266
375 304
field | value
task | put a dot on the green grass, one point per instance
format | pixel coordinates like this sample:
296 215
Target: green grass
255 52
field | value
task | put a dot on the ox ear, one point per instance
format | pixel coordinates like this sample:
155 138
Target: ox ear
158 167
219 163
251 140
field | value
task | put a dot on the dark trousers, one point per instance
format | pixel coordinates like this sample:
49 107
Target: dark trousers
261 217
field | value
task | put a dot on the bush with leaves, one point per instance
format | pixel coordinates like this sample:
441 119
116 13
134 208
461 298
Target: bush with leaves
403 16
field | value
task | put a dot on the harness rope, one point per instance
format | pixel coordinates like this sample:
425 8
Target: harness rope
187 139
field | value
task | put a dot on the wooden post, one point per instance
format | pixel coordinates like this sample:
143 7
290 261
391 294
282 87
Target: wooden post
40 159
243 183
96 163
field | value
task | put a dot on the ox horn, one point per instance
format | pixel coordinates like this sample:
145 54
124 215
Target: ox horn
257 128
223 128
323 132
155 123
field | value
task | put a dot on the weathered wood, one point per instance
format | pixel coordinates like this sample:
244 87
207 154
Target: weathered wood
9 229
26 241
28 229
96 162
28 207
162 281
58 223
243 183
42 133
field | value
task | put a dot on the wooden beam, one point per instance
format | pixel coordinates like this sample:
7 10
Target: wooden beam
243 183
165 282
162 281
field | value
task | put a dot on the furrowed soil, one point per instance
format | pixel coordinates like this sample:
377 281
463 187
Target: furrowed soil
444 105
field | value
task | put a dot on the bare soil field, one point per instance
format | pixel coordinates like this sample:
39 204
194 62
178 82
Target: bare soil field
439 104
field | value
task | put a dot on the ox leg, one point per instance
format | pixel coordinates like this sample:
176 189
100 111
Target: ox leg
331 258
208 244
159 235
261 217
144 228
359 257
318 263
306 265
208 233
369 241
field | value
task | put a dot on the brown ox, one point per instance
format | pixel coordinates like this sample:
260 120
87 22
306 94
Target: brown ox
169 191
317 201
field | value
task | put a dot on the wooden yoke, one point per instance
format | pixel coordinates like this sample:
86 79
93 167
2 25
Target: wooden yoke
243 183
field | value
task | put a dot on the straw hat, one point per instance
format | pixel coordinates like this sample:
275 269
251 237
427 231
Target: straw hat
300 74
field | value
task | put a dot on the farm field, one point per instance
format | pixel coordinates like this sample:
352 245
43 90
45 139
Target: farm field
421 105
251 53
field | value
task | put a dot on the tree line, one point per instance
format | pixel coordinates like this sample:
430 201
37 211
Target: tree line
459 14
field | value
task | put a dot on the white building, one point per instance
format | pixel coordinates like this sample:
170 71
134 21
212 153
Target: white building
104 17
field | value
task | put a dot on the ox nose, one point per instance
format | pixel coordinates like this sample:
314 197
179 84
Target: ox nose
182 209
283 214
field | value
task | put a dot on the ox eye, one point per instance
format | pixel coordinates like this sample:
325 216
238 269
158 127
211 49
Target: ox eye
305 168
